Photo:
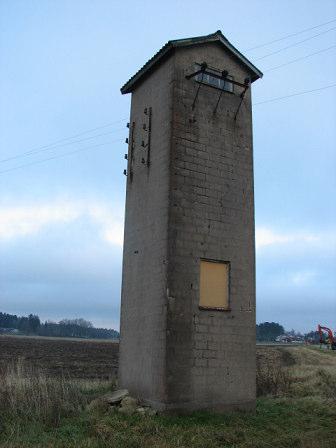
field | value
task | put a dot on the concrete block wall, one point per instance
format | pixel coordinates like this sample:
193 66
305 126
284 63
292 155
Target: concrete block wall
194 201
210 354
143 302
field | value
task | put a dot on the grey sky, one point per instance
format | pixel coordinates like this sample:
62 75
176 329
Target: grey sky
62 65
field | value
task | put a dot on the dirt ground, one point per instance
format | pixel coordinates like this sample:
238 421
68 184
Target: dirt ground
85 359
296 405
98 359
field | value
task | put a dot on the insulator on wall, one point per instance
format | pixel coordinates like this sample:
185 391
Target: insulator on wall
145 111
125 172
127 125
144 126
125 156
143 144
126 141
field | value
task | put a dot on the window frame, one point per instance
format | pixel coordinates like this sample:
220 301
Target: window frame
221 82
212 308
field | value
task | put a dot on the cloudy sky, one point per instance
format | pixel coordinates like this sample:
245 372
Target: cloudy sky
62 199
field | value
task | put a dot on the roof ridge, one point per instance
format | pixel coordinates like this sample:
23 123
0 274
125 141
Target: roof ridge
171 44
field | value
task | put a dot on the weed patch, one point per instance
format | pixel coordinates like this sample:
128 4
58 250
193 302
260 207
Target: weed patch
28 394
273 380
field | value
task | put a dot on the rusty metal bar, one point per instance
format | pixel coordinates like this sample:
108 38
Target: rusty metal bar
204 66
224 74
131 158
247 84
194 74
199 86
220 95
214 75
149 135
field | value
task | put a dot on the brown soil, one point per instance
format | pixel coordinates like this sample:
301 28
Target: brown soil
98 359
85 359
282 356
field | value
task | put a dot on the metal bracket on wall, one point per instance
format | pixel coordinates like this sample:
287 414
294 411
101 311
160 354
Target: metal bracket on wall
202 70
131 152
223 77
149 135
147 127
214 75
224 74
246 86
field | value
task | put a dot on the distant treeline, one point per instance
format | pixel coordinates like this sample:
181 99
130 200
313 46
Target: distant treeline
71 328
269 331
81 328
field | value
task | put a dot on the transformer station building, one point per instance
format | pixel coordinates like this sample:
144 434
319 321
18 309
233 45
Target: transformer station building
188 283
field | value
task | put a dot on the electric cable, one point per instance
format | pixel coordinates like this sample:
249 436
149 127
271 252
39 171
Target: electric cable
295 94
299 59
293 45
290 35
58 156
51 148
55 143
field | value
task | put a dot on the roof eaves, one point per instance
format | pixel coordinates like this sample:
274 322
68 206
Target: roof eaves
219 36
127 87
215 37
244 60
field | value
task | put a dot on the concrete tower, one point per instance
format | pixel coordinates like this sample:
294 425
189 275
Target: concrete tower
188 286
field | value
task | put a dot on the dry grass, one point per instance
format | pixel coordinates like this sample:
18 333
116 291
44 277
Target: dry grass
273 380
274 372
296 372
314 372
28 393
327 383
296 409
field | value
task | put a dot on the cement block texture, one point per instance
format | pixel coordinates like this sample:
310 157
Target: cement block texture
194 201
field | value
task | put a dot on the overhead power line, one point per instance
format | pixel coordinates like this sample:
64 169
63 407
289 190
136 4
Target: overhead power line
290 35
295 94
114 141
52 147
58 156
39 148
299 59
58 143
293 45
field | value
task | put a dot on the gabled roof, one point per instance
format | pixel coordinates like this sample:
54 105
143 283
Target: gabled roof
172 44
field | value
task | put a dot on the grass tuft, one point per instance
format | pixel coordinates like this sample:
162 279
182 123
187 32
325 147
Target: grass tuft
327 383
296 409
28 394
273 380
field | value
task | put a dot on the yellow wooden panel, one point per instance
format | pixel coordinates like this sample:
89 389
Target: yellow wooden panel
214 285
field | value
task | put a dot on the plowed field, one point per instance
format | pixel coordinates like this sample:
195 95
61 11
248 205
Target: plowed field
85 359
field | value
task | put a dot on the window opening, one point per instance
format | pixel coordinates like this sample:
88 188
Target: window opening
214 285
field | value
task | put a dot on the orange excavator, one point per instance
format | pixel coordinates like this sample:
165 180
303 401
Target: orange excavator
330 339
